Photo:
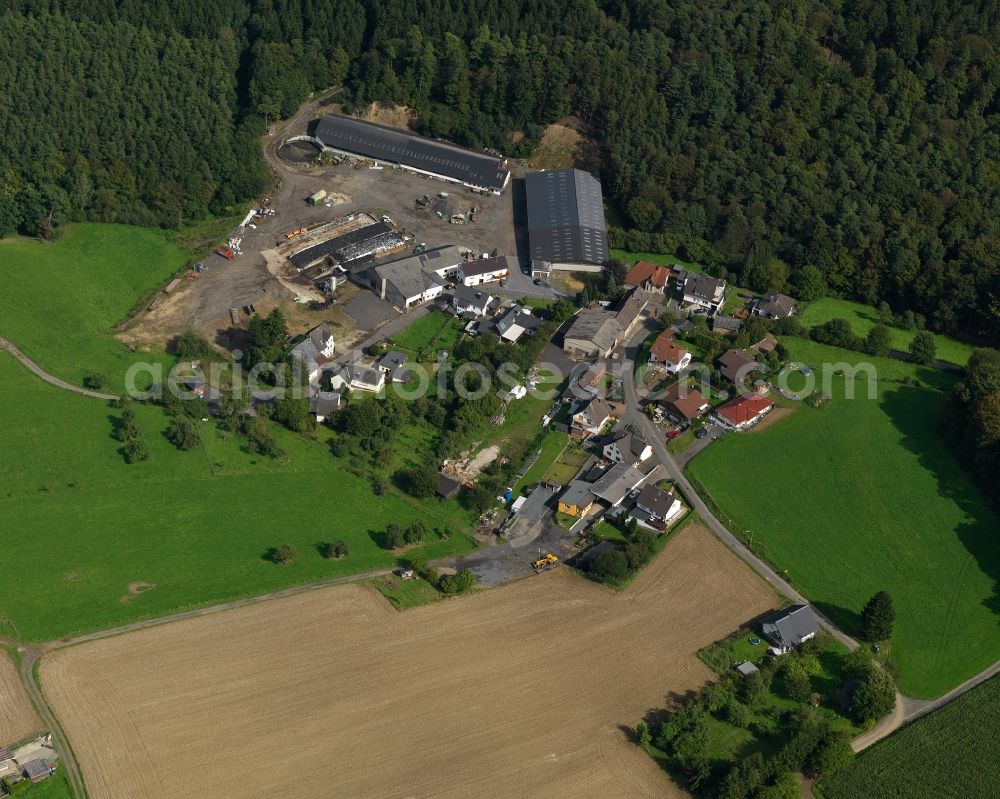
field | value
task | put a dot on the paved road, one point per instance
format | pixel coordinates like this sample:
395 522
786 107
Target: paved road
9 346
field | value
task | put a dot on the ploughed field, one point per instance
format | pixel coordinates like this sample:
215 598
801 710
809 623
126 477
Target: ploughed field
512 692
17 716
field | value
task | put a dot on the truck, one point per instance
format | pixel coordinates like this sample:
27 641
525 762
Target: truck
315 199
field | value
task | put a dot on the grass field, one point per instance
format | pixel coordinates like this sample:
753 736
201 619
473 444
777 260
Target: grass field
403 594
334 693
61 300
862 495
55 787
951 753
552 447
863 318
435 330
84 525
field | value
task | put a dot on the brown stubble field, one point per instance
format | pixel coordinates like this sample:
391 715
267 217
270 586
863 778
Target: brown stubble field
17 716
516 691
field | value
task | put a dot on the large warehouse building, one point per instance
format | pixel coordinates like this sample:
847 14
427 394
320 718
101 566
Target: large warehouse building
425 156
566 219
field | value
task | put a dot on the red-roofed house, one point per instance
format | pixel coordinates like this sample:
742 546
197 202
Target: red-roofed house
647 276
744 412
668 354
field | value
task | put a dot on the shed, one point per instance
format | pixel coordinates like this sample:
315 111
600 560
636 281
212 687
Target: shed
518 504
447 487
746 668
37 770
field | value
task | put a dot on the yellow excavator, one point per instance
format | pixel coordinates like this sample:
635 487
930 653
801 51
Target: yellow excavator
547 561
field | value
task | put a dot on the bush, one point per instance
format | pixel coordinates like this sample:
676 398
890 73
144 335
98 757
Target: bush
836 333
95 381
609 567
457 583
395 536
283 555
738 714
421 481
334 550
135 451
191 345
795 680
415 533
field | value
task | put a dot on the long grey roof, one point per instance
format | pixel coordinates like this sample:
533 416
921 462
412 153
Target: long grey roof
566 217
597 326
617 482
578 492
791 626
395 146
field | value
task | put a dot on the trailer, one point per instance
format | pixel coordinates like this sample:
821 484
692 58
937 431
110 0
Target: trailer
225 252
315 199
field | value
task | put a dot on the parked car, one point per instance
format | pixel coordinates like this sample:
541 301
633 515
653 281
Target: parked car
673 433
701 432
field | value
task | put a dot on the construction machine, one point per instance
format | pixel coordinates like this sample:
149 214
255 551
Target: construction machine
547 561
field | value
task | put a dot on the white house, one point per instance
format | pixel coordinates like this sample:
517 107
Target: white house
516 322
590 418
669 355
483 270
655 508
358 376
467 300
704 292
625 447
314 351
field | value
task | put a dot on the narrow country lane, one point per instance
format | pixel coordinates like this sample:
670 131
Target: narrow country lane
9 346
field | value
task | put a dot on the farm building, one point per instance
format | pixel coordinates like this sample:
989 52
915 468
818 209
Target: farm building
414 153
413 279
566 219
594 334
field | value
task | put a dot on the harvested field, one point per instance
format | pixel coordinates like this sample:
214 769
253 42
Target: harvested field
513 692
17 716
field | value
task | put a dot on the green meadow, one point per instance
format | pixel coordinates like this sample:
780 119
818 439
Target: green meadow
860 495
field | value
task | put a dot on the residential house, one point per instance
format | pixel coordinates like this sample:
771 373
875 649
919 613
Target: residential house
623 447
590 418
392 365
648 277
466 300
314 351
672 357
515 323
358 376
325 405
736 366
655 508
788 628
726 325
683 404
702 291
577 499
483 270
594 333
744 412
617 483
774 306
590 380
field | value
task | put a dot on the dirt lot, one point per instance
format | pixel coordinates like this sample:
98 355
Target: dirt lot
17 717
516 691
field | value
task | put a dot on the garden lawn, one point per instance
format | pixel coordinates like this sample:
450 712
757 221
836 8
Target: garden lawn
863 318
62 299
552 447
861 495
55 787
435 330
952 752
81 525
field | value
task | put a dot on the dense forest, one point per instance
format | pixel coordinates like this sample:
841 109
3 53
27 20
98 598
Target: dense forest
855 136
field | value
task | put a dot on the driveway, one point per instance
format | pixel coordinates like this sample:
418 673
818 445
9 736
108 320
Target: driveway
370 311
715 431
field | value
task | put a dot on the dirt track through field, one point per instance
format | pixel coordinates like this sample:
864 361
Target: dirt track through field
17 716
516 691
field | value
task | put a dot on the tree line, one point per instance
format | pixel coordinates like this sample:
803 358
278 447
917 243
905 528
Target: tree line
856 140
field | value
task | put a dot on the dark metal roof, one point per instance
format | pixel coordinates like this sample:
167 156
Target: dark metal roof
566 217
398 147
313 253
791 626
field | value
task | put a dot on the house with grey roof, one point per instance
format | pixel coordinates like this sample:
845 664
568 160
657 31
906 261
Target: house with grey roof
515 323
590 417
594 333
617 483
790 627
314 351
727 325
736 366
473 301
577 499
774 306
325 405
622 446
702 291
358 376
566 227
655 508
